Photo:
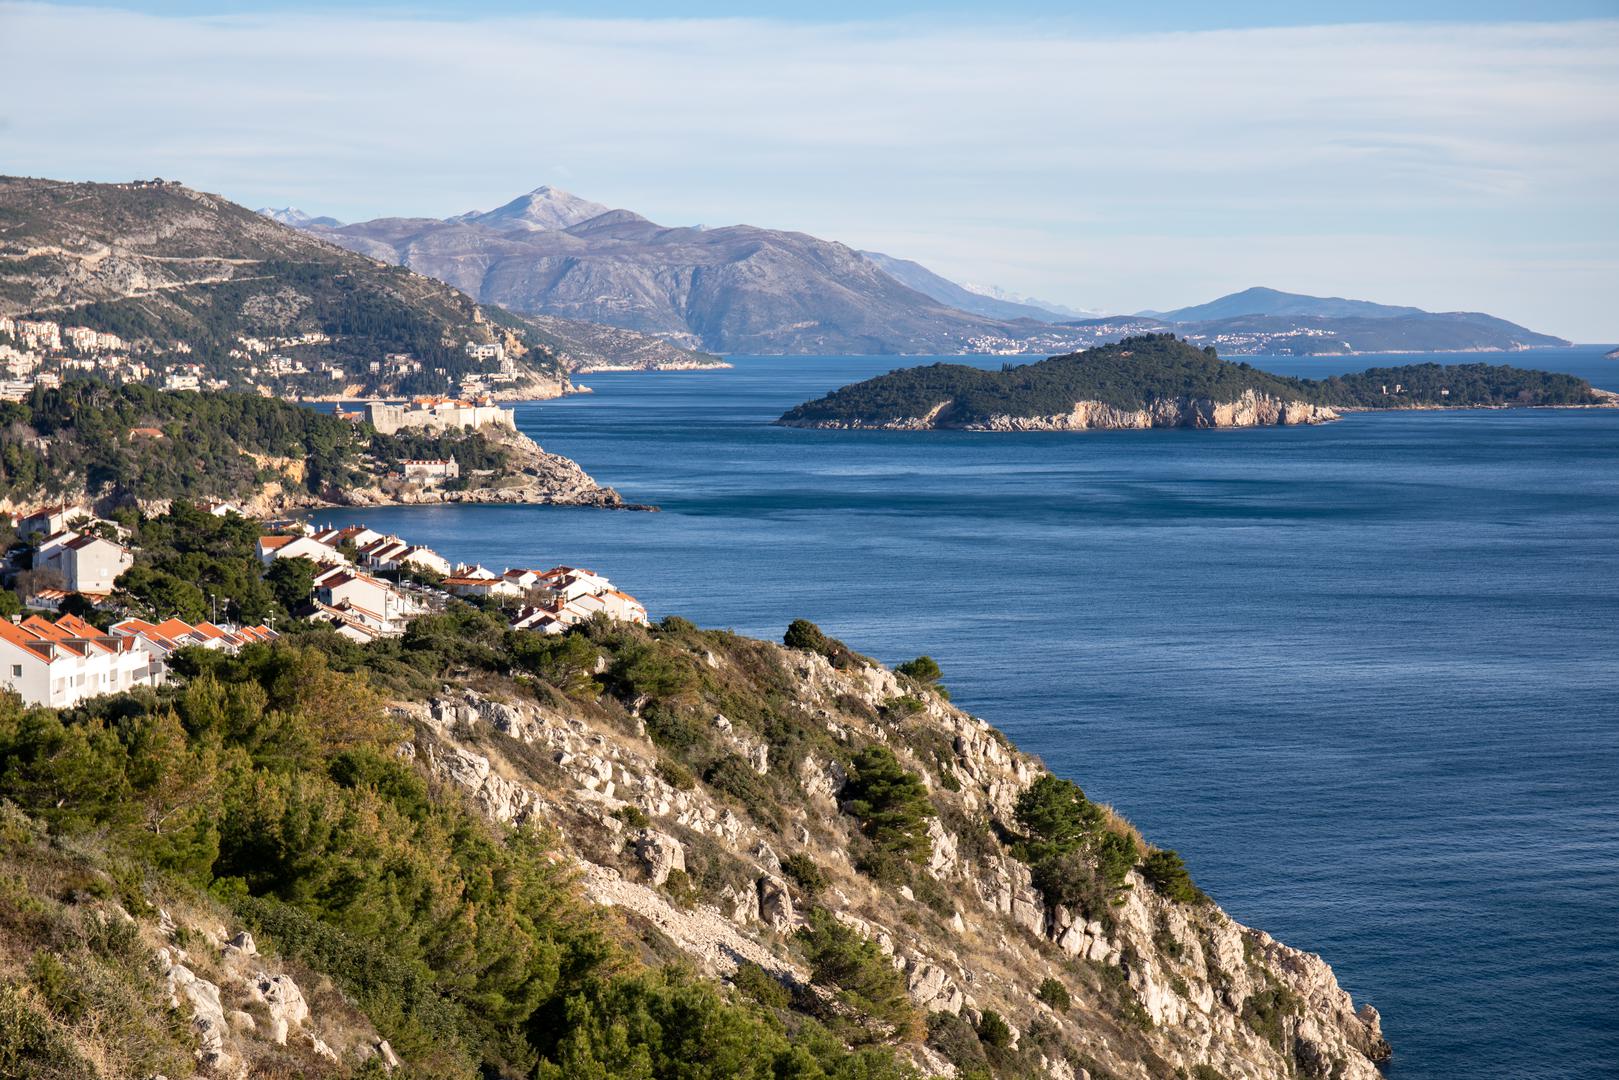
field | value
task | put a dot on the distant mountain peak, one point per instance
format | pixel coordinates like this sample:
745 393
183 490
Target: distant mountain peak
608 219
544 209
1261 300
291 215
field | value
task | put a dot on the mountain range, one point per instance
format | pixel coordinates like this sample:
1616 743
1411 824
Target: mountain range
187 277
746 289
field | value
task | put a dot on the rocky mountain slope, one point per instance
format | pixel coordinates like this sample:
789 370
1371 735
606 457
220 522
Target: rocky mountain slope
185 277
733 289
625 852
926 282
1158 380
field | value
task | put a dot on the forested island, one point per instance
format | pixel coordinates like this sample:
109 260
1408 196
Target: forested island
1158 380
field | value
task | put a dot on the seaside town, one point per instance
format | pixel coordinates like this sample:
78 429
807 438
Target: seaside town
78 636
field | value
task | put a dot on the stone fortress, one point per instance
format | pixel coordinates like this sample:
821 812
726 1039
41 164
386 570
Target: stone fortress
436 414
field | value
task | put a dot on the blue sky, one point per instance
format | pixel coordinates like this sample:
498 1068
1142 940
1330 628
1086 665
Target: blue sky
1453 156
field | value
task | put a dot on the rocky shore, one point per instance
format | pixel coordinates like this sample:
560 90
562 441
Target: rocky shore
1249 410
532 477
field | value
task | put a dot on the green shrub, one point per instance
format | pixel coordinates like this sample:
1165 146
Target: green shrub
731 775
31 1047
954 1037
1266 1011
993 1030
1055 994
675 774
1056 814
856 968
1076 859
924 669
755 982
1166 873
890 802
803 634
903 706
803 872
681 889
633 816
654 669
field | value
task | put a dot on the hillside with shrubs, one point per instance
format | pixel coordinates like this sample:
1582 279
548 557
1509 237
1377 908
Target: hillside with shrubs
619 852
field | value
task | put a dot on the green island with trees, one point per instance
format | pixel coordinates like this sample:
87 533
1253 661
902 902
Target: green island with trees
1137 372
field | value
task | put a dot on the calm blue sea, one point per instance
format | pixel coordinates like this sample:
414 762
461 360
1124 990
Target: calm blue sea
1364 676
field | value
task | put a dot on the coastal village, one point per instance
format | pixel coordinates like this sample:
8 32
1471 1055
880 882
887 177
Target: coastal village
78 636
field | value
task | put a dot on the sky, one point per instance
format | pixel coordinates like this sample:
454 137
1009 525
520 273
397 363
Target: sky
1455 156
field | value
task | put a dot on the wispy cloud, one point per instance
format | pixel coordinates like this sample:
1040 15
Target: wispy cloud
1113 170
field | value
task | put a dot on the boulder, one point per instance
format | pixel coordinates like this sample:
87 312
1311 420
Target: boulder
284 1002
207 1015
660 853
775 904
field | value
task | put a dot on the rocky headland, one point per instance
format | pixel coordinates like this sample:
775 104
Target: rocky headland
1160 986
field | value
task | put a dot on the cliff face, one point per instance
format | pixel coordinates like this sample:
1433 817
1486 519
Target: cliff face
1250 409
1160 987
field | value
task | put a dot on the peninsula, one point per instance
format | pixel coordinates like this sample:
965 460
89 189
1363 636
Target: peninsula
1158 380
131 445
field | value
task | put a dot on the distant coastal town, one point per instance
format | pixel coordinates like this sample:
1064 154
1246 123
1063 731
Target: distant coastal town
42 352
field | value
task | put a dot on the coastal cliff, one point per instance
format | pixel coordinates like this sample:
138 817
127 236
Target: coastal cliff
1250 409
1153 983
625 851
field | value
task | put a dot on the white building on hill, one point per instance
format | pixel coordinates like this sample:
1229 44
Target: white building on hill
61 664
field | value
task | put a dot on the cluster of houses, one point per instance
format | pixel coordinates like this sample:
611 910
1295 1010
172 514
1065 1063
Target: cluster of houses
61 663
364 607
38 352
550 600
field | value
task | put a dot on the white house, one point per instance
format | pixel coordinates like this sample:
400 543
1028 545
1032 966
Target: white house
392 553
48 519
374 604
272 548
430 470
480 581
61 664
87 564
158 640
358 535
566 596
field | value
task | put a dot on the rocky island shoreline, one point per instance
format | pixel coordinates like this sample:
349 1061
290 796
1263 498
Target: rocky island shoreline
1160 381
